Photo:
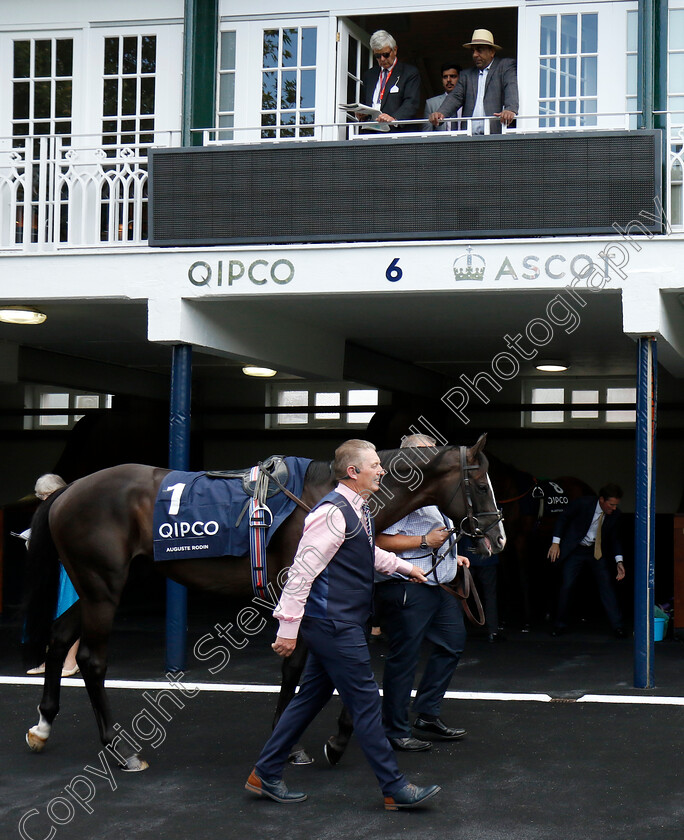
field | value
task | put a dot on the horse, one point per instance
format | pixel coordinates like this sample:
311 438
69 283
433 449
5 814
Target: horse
99 523
530 508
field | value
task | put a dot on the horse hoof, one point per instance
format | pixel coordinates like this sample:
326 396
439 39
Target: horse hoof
134 764
300 757
333 753
35 742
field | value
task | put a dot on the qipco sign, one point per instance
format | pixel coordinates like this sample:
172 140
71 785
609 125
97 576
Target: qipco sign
229 272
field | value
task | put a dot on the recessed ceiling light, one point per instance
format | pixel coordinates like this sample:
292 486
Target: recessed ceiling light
253 370
21 315
552 366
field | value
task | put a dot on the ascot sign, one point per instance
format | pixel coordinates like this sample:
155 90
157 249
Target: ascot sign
473 266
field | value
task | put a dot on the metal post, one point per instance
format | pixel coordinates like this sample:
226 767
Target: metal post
199 68
645 63
179 459
644 524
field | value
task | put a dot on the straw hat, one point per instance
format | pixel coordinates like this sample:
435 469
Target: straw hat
483 38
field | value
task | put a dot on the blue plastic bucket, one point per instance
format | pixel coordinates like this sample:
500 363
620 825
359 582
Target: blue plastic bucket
659 629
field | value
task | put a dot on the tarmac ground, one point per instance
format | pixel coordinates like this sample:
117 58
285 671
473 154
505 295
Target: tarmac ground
560 746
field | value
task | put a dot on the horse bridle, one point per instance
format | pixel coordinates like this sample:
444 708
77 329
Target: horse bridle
473 529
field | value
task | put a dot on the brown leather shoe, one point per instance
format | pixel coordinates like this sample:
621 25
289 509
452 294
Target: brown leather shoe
410 796
274 789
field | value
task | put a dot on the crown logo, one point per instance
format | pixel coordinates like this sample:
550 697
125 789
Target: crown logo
469 266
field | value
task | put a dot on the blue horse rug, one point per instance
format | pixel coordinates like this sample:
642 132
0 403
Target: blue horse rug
199 516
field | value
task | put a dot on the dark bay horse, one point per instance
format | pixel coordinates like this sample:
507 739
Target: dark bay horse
99 523
530 508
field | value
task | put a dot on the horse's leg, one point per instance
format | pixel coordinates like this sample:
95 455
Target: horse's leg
336 745
65 631
98 618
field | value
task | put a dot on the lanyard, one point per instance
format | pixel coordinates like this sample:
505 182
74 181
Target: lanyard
384 84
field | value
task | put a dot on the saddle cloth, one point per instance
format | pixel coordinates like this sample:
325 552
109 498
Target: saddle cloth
547 498
197 516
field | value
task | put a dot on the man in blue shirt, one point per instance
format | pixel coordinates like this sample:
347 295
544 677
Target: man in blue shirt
409 614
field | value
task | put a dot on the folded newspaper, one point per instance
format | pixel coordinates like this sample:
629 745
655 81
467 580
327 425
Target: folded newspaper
354 108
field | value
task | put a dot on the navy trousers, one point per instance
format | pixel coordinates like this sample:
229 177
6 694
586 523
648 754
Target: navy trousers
338 659
411 613
572 566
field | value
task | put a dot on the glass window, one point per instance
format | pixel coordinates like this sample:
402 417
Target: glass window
361 397
292 399
63 406
621 395
573 89
585 397
676 29
546 396
225 114
42 87
559 398
128 91
334 398
288 82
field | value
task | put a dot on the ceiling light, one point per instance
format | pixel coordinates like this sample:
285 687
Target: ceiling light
552 366
253 370
21 315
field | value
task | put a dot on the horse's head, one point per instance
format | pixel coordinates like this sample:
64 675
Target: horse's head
465 494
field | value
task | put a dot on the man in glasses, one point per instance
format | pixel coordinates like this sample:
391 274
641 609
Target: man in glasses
391 85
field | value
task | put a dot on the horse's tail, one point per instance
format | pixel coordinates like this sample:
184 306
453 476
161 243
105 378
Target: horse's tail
42 584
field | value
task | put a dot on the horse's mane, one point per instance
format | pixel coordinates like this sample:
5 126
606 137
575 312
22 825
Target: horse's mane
318 472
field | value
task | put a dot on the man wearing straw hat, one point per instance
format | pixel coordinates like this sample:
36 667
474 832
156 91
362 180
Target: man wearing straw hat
489 89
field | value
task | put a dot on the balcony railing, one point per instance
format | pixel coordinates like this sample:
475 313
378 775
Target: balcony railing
75 192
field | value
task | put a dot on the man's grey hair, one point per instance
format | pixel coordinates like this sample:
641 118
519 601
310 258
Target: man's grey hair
348 454
48 483
380 39
417 440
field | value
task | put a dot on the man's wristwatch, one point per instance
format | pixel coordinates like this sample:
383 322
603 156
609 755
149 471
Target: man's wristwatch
423 543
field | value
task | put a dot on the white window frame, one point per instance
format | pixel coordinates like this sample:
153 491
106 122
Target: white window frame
317 420
33 397
248 69
611 77
576 419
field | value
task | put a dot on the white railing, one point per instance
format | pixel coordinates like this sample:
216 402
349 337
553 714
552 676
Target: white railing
58 193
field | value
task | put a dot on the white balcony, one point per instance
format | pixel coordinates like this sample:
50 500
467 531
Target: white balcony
60 193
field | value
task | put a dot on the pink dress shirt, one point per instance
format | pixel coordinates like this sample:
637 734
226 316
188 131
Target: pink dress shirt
322 536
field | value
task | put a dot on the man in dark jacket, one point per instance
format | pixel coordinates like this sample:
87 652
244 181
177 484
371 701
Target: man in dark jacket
586 534
391 86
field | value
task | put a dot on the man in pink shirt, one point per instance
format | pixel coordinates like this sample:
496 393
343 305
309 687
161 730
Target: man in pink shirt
328 600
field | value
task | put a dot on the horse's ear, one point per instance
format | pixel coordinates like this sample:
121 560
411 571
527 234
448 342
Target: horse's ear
479 446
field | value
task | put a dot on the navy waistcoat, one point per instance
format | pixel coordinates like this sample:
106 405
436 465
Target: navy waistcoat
344 589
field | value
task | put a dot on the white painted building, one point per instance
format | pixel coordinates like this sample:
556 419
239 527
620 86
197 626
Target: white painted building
89 87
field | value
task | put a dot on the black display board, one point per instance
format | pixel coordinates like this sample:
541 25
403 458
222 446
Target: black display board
405 188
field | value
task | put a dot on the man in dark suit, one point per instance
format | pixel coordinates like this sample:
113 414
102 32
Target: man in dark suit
586 534
391 86
328 599
490 88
